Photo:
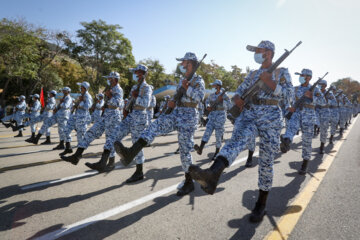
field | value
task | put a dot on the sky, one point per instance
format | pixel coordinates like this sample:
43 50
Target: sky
166 29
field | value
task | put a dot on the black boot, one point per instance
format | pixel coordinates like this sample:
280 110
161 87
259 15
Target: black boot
322 148
36 139
128 154
341 131
100 166
259 211
199 149
315 130
331 139
67 150
188 186
303 169
31 138
285 144
216 152
15 128
75 158
177 151
19 134
7 125
48 141
138 174
111 164
249 160
60 146
208 178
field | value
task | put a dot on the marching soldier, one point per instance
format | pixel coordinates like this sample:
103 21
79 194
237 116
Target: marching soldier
334 114
220 101
34 113
17 115
98 107
61 116
302 118
111 118
183 118
265 116
342 110
81 118
324 115
150 109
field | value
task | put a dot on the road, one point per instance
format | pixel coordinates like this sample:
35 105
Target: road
46 198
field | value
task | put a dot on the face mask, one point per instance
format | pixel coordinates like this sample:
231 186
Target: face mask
302 80
135 77
182 69
259 58
108 82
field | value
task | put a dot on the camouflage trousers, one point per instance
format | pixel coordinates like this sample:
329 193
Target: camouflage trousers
78 122
216 122
60 120
324 123
334 120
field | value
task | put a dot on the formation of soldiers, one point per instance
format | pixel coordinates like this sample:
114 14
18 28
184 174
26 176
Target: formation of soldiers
324 110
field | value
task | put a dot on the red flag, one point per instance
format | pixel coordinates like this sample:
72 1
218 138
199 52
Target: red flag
42 100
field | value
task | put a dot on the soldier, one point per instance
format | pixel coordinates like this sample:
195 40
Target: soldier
81 119
348 106
135 122
34 113
111 118
17 115
334 113
302 118
163 106
324 115
183 118
201 121
342 110
98 108
61 116
217 117
265 116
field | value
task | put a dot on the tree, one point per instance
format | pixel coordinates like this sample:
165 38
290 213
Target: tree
101 48
156 72
349 87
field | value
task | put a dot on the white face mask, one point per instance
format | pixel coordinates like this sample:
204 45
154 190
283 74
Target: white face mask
258 57
302 80
108 82
135 77
182 69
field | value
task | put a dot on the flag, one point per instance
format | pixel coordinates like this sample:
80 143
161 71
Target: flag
42 100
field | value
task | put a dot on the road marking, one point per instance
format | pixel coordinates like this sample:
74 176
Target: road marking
288 221
117 210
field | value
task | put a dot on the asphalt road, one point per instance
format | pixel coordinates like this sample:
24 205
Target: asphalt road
44 197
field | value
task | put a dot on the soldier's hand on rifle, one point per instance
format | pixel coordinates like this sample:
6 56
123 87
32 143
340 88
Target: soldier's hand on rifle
108 94
267 79
239 102
171 104
135 94
308 94
209 109
185 84
291 109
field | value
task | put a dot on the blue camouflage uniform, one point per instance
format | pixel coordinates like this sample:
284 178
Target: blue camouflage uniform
135 122
324 114
150 109
61 117
217 117
183 118
81 118
19 112
348 106
342 110
96 116
110 119
265 119
334 112
35 112
304 118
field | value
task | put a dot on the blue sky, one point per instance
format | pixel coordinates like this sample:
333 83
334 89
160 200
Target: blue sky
163 30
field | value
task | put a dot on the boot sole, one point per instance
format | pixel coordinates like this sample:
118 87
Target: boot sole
196 174
119 148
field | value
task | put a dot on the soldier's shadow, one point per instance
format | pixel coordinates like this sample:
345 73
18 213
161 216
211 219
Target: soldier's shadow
278 200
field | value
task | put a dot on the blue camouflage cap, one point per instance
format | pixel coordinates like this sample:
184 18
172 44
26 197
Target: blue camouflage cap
86 85
139 67
305 71
22 97
36 96
323 82
167 97
66 89
263 44
217 82
53 92
100 95
113 75
188 56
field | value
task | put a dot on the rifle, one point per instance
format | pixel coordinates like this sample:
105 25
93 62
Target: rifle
214 105
129 107
106 99
299 104
180 92
59 105
78 101
328 91
235 111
